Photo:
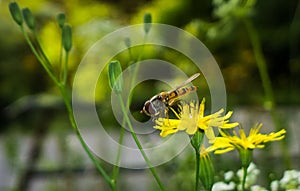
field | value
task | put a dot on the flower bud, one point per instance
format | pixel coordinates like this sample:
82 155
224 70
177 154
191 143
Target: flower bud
15 12
147 22
61 19
29 19
67 37
115 76
206 173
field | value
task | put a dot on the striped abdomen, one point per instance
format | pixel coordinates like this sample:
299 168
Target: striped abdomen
181 92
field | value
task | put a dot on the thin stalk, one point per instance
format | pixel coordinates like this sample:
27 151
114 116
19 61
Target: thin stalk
60 60
85 147
63 89
135 72
137 142
267 86
244 178
65 70
120 141
40 49
197 169
196 142
45 66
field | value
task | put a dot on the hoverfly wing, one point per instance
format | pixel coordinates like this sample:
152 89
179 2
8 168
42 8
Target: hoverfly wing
180 90
158 104
193 77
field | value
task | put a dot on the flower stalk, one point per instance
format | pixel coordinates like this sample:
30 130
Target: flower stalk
116 84
60 83
139 144
270 103
196 142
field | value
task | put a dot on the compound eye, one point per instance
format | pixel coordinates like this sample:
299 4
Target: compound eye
149 108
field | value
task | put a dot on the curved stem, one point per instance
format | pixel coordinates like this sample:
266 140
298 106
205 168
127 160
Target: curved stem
136 69
267 85
85 147
116 167
137 142
63 89
45 66
44 56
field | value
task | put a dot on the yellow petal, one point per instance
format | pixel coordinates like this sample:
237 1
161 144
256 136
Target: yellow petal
209 132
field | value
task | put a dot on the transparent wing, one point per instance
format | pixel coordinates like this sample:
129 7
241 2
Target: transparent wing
188 81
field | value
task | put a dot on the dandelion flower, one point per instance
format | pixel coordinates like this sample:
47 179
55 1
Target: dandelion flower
191 118
226 142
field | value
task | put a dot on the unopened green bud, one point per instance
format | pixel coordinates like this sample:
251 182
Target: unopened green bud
29 19
61 19
115 76
206 171
67 37
147 22
15 12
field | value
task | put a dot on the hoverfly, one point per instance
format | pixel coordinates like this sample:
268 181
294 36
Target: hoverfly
164 100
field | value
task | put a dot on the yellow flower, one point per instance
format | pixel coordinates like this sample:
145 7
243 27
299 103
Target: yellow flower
191 118
254 140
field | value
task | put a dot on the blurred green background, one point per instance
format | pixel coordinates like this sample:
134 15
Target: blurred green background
31 108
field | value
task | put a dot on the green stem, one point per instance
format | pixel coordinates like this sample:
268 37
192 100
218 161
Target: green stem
116 167
196 142
260 61
65 70
63 89
135 72
197 169
267 86
45 66
61 69
244 178
44 56
137 142
85 147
